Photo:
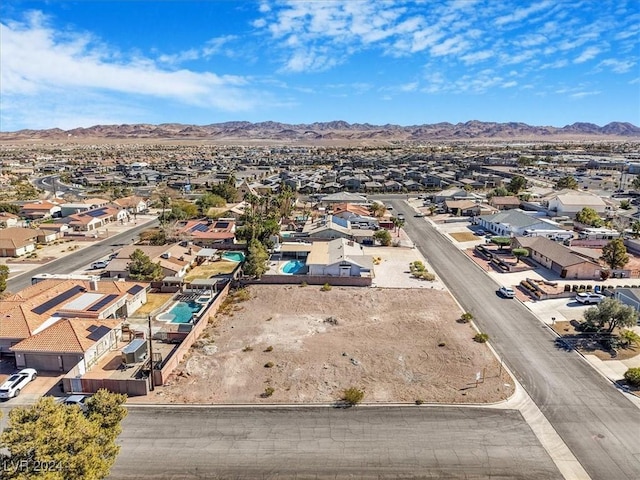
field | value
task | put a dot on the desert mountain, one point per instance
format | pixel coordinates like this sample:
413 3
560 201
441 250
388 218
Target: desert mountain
336 130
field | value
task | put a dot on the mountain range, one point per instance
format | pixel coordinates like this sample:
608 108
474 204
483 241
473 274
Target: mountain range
336 131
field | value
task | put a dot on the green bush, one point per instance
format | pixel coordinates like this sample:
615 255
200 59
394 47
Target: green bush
352 396
632 376
268 392
268 365
325 288
481 337
466 317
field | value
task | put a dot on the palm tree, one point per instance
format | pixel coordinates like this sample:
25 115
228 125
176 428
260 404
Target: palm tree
377 209
164 201
398 223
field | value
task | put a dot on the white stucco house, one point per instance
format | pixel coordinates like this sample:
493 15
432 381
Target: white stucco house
339 258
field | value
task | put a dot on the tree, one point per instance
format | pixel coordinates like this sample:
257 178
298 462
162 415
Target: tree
377 209
226 189
632 376
182 210
10 208
142 268
614 254
519 252
516 184
73 445
256 263
432 209
635 228
165 201
589 216
567 182
398 223
636 182
209 200
501 241
500 192
383 236
4 275
609 314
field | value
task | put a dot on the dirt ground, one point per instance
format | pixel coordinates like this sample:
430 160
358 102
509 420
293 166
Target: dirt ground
398 345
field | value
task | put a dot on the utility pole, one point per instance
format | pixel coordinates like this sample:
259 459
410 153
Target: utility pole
151 387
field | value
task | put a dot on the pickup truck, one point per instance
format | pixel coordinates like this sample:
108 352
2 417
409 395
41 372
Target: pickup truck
16 382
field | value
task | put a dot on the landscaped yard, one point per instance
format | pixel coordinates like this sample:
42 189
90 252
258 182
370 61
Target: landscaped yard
154 301
464 236
208 270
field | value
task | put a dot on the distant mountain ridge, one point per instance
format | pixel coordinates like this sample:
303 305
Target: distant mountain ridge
336 130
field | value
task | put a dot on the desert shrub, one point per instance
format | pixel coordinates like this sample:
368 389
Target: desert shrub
268 365
304 284
632 376
268 392
325 288
442 344
352 396
247 348
481 337
466 317
419 401
269 349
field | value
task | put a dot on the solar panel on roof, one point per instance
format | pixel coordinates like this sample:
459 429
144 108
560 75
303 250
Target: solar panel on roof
97 333
135 289
199 228
222 224
98 212
106 300
54 302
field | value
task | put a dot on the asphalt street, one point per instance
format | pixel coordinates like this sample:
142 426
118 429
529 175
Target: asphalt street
599 425
329 443
80 258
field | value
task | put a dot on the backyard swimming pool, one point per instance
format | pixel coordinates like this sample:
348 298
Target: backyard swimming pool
293 266
181 312
233 256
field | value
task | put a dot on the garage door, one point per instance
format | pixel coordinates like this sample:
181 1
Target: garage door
55 363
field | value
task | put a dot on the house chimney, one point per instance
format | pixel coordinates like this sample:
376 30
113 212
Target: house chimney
93 285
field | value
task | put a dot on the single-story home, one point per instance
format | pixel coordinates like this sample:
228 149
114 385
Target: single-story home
339 258
18 241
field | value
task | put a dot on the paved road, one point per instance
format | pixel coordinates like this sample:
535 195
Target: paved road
599 425
329 443
80 258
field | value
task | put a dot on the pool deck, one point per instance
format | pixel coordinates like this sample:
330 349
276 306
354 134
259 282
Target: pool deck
274 267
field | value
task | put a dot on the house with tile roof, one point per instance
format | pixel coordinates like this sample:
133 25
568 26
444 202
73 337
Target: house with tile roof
40 210
558 258
133 204
18 241
68 343
175 259
39 306
8 220
505 203
220 233
96 218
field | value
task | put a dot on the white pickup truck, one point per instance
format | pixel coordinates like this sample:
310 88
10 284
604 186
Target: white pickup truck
16 382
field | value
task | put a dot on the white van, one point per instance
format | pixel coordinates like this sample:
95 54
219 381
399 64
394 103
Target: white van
588 298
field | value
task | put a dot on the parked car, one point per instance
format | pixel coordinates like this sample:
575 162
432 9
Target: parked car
419 215
507 292
588 298
77 400
16 382
480 233
99 265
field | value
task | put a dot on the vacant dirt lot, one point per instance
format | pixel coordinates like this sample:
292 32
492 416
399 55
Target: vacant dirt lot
398 345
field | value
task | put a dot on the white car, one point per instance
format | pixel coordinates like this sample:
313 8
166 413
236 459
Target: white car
99 265
16 382
507 292
588 298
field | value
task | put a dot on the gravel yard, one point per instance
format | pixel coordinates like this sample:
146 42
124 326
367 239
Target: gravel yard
308 345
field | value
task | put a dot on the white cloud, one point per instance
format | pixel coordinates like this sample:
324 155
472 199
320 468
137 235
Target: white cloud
476 57
522 13
588 54
579 95
36 59
617 66
510 84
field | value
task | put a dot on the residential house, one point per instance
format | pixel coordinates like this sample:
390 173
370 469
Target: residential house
8 220
570 202
40 210
339 258
133 204
329 227
515 222
97 218
558 258
628 296
343 197
206 233
508 202
175 259
18 241
38 307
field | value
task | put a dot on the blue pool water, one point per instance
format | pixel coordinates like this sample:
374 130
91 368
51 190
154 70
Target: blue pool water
183 311
292 266
233 256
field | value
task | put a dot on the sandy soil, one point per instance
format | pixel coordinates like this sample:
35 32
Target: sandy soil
398 345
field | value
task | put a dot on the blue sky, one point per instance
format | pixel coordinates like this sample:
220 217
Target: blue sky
551 62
